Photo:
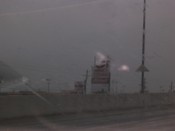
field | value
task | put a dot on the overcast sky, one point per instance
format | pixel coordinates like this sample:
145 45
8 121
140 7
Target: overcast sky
58 39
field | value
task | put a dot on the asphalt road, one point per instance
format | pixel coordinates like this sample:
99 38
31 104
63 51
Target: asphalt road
133 120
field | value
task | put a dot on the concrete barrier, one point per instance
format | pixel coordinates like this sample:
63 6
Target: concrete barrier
31 105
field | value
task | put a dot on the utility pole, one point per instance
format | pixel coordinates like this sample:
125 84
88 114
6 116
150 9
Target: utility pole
142 68
48 84
171 87
143 48
85 81
1 82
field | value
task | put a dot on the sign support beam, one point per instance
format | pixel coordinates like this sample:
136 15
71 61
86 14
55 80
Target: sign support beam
143 49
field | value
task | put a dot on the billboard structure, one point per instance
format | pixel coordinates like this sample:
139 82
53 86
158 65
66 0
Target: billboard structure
100 80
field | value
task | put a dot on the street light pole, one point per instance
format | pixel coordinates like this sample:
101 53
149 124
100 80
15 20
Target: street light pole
85 82
143 49
142 68
48 84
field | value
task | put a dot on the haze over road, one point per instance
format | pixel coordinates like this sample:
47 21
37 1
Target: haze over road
58 39
124 121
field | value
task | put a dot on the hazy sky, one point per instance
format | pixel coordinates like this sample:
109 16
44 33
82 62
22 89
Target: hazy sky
59 38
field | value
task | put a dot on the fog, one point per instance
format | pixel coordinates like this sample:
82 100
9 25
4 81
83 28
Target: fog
58 39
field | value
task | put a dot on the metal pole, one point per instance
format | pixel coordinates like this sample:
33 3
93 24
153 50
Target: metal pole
85 81
48 84
109 86
143 49
171 87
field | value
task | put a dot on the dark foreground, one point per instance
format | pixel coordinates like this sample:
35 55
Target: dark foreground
133 120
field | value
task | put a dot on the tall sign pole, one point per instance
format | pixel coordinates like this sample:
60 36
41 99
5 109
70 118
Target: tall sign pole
143 49
142 68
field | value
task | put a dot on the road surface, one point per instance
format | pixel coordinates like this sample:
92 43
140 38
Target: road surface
136 120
